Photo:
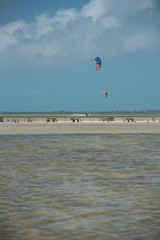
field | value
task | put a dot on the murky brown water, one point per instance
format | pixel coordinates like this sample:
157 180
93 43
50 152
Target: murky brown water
80 186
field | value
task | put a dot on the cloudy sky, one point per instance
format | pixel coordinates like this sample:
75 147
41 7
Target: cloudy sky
46 49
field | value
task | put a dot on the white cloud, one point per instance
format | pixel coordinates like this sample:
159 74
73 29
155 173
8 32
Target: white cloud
64 16
94 9
43 25
9 34
110 22
105 27
139 40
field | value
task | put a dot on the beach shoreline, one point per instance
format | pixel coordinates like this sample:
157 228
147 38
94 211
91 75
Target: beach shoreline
86 126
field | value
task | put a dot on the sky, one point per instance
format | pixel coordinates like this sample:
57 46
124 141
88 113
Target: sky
46 51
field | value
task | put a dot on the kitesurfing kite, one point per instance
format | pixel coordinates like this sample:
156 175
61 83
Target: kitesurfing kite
106 94
98 62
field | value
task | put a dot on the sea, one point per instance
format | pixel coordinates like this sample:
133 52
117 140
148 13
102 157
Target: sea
80 187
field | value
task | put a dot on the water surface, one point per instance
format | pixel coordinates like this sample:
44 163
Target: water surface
80 186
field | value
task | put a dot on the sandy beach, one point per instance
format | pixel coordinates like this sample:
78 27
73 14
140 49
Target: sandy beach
89 126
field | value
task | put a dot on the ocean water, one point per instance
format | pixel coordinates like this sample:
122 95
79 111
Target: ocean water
80 187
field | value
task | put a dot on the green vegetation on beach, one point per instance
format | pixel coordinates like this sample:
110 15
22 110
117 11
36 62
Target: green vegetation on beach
76 116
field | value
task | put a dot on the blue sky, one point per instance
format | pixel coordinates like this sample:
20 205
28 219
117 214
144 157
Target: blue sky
46 49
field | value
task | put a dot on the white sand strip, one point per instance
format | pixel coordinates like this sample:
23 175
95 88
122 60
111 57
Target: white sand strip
68 127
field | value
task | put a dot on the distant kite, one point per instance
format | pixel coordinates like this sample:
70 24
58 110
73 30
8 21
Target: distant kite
98 62
106 94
